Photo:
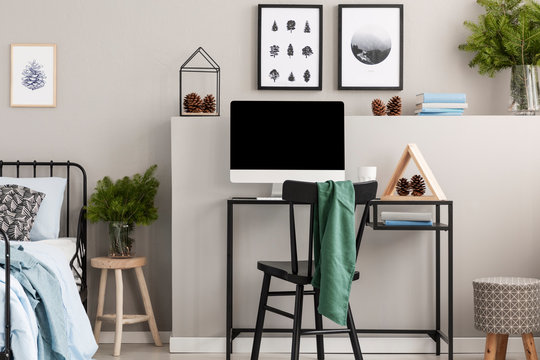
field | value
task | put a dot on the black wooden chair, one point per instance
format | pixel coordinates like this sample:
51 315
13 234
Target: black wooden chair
300 272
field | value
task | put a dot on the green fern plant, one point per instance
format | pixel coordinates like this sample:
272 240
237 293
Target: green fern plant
129 200
507 34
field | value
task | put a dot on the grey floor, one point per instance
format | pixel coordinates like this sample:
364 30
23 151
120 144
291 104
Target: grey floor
150 352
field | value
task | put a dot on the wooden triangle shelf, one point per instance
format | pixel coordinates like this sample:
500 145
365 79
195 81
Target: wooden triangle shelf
412 152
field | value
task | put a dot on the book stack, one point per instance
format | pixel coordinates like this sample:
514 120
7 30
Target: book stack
440 104
391 218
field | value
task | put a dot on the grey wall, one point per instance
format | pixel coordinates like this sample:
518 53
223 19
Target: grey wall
118 87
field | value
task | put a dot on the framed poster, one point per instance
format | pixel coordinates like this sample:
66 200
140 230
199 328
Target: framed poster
33 75
370 45
290 47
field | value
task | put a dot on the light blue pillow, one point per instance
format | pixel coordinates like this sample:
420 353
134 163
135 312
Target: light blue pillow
47 222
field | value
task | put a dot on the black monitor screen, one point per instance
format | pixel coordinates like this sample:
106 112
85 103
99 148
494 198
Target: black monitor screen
287 135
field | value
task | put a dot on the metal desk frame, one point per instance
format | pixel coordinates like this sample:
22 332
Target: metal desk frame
435 334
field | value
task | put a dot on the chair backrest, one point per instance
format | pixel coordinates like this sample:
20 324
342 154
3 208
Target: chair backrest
306 193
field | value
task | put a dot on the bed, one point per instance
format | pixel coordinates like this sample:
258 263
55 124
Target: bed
57 246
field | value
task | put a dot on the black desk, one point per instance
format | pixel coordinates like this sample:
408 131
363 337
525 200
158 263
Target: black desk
435 334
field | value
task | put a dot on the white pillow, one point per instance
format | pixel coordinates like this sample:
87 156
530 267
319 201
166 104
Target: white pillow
47 221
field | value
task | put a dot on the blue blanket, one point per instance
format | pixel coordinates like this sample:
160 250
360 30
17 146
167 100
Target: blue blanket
24 333
45 296
24 328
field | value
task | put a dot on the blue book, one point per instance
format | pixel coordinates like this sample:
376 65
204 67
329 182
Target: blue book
439 110
407 223
439 113
446 105
441 98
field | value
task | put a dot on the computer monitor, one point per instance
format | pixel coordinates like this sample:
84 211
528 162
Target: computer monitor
274 141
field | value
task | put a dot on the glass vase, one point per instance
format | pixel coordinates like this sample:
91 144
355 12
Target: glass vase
524 90
120 239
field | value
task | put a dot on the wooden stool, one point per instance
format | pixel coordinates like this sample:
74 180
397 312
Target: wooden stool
507 305
105 263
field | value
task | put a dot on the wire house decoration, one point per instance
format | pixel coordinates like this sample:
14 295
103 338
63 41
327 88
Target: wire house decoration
200 85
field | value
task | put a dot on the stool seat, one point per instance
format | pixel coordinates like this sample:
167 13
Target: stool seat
507 305
117 263
503 306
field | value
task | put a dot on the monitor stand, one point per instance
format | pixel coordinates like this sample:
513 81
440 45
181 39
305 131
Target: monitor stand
277 192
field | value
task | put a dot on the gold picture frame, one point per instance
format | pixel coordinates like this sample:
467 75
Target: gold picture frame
33 75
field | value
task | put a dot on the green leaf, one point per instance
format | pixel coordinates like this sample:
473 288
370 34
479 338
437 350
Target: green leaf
130 200
507 34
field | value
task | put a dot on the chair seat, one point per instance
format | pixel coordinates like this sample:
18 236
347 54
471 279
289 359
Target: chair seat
283 270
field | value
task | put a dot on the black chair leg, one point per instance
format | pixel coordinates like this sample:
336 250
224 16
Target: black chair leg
318 326
354 337
297 322
260 318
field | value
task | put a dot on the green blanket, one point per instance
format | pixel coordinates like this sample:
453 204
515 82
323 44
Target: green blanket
334 248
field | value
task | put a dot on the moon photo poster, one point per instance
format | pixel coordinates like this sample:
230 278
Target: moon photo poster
370 47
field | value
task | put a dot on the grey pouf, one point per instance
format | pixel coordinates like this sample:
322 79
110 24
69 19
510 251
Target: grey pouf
507 305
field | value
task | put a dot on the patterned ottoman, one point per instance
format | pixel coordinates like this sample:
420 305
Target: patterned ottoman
503 306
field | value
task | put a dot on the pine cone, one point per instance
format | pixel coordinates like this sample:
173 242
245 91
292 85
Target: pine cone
378 108
193 103
393 108
402 187
209 104
418 186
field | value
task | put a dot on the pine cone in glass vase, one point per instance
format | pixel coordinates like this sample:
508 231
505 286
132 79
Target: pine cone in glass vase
209 104
393 108
402 187
378 108
418 186
193 103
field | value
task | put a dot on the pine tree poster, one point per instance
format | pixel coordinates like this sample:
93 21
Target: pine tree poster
290 47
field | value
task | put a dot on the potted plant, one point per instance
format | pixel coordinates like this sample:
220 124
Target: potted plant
508 36
124 204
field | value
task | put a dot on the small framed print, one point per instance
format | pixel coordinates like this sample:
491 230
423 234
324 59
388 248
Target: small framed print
33 75
290 47
370 46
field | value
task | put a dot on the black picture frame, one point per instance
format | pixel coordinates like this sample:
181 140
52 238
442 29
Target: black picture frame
371 25
303 68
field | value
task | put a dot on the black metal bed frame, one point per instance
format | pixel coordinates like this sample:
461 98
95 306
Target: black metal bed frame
7 354
79 258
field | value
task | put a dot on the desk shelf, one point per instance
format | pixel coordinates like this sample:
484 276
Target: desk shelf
374 223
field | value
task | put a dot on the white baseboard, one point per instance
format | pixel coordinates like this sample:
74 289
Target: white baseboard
374 345
134 337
